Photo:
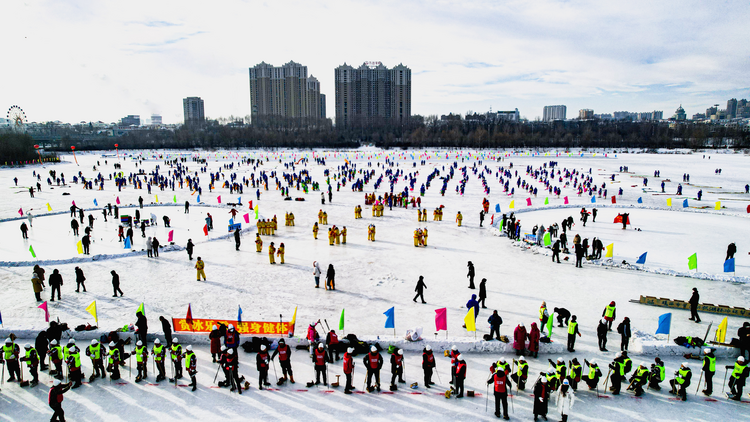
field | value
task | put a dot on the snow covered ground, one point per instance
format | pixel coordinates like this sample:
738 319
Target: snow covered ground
374 276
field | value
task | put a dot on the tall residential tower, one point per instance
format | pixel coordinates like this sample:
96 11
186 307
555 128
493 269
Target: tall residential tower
284 91
372 93
193 112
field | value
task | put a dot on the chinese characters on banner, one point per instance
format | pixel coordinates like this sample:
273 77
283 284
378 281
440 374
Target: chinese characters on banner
245 327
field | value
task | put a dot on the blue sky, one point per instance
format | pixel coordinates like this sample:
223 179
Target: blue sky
101 60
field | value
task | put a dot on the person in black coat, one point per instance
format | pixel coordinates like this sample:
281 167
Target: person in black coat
483 292
167 328
80 278
189 249
116 283
579 255
24 230
237 239
55 399
86 242
420 289
42 345
541 398
601 332
624 330
155 247
556 251
731 250
563 316
142 326
55 281
54 332
330 277
470 274
694 301
74 225
495 322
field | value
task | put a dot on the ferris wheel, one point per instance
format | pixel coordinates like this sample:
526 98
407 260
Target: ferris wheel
16 118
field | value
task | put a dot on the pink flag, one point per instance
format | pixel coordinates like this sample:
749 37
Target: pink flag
218 198
117 200
46 312
528 202
566 200
441 319
74 203
171 236
205 230
20 211
247 218
251 204
614 199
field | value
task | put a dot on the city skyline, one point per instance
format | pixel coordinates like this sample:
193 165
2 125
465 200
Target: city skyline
76 61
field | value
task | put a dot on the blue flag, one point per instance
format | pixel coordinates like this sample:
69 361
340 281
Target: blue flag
127 243
593 199
390 321
95 203
231 221
198 200
640 200
684 203
1 319
239 200
641 259
729 265
497 207
664 323
239 313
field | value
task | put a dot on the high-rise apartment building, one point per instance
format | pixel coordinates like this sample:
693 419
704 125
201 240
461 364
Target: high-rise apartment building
322 106
284 91
193 112
130 120
155 120
372 93
732 108
585 114
554 112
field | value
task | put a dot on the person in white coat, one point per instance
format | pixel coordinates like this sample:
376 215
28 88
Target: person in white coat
316 274
565 400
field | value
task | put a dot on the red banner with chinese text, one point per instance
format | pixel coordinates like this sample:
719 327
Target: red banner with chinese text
253 328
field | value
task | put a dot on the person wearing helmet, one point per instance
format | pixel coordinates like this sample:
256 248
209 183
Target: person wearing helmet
285 361
565 399
141 358
9 355
553 380
56 356
681 381
74 366
601 334
428 365
709 369
541 398
639 378
740 372
373 362
576 373
618 373
594 374
332 342
501 386
32 362
397 368
320 358
113 363
56 398
176 356
658 374
95 352
230 364
560 369
159 353
191 365
261 364
215 337
522 373
232 339
572 332
454 361
348 369
460 375
609 314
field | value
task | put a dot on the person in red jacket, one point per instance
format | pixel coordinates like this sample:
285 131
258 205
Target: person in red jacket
534 335
215 337
261 364
454 361
428 364
460 376
332 341
519 339
501 386
285 360
319 358
397 368
373 362
231 364
56 398
348 370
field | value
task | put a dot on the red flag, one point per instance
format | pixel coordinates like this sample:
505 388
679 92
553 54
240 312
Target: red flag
251 204
614 199
189 317
46 311
171 236
218 198
566 200
441 319
117 200
618 219
205 229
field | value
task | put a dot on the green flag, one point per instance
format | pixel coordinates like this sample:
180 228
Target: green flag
546 201
693 261
341 321
550 324
175 199
31 249
141 309
547 239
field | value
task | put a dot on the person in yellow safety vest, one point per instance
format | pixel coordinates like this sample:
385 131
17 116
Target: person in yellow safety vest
627 362
291 219
424 214
639 378
66 349
737 380
337 235
330 236
74 366
709 369
424 236
113 362
371 230
55 354
158 351
576 373
141 359
176 356
356 212
274 225
199 268
325 218
501 364
560 369
572 332
259 226
522 373
416 238
419 215
681 381
543 316
594 374
435 215
374 210
10 355
32 362
315 231
271 252
258 243
440 214
618 373
658 374
553 380
280 252
609 314
286 219
459 218
343 235
191 366
94 352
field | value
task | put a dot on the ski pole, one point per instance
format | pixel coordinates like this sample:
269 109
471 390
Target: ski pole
217 373
438 374
606 380
725 380
277 375
699 384
2 381
487 400
512 409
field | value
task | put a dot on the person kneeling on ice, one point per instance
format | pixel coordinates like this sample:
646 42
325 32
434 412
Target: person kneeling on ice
285 354
373 362
565 399
32 361
592 379
681 381
639 378
501 386
320 358
522 373
658 374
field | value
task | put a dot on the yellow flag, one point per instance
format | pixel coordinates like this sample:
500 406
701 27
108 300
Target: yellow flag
718 205
610 250
48 207
471 324
512 204
669 202
92 310
294 317
721 331
156 198
80 247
